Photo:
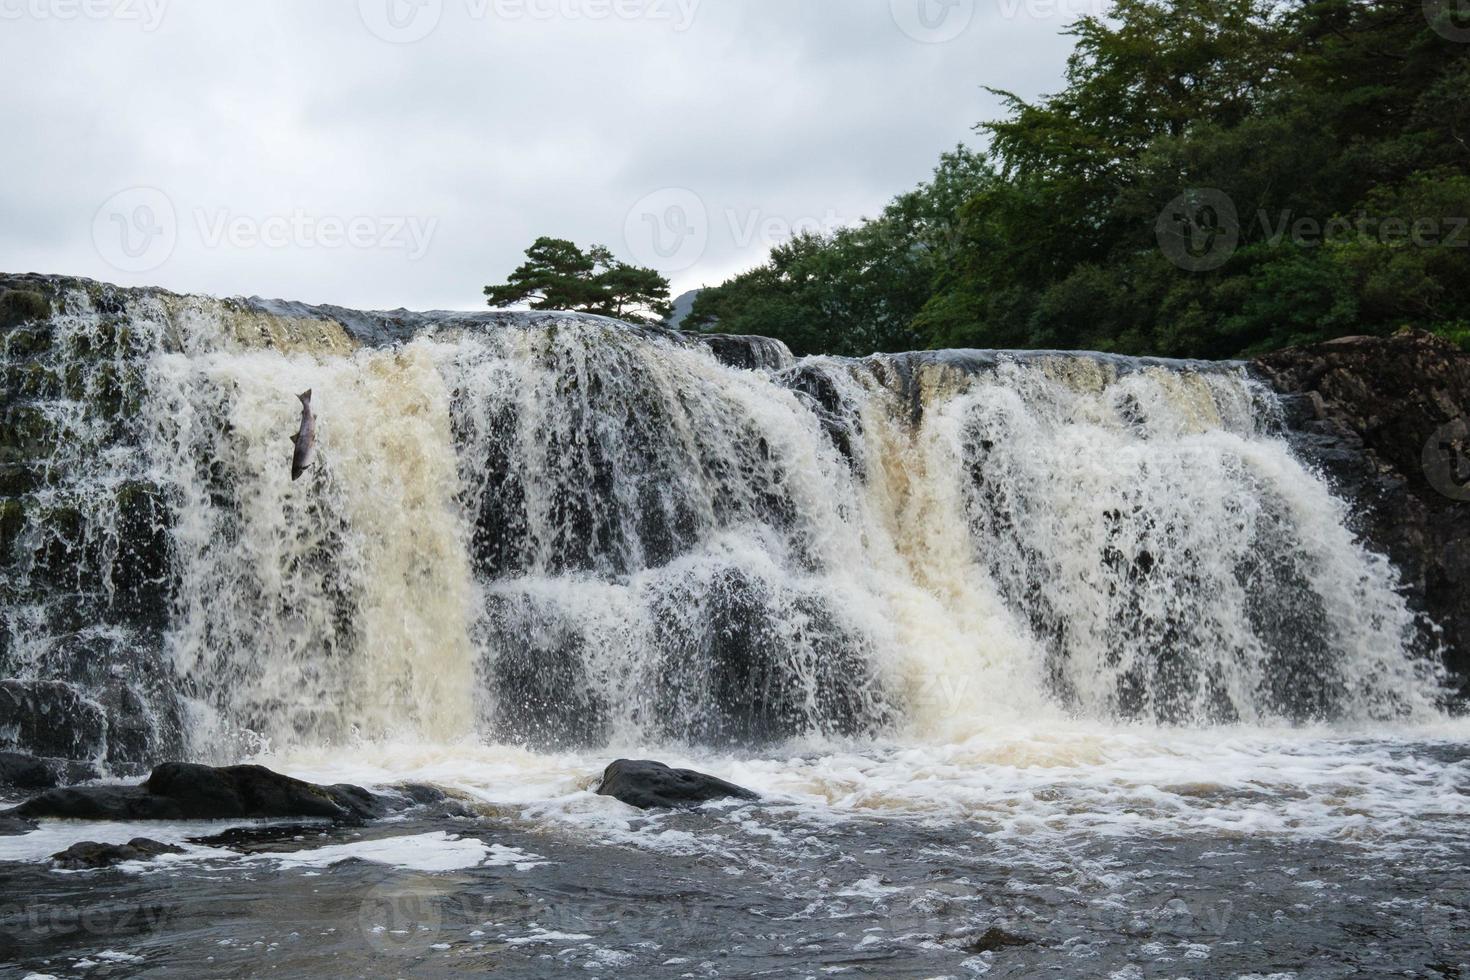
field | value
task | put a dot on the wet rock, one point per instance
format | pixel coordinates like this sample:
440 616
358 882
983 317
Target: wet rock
50 719
23 771
90 854
994 939
19 771
653 785
22 306
15 826
1387 419
750 353
184 791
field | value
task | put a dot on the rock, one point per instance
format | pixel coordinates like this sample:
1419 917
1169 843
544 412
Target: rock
23 305
1387 419
90 854
15 826
994 939
748 353
653 785
50 718
184 791
23 771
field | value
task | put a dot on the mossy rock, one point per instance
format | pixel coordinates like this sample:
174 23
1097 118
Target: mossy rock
141 568
23 306
32 379
12 519
17 478
62 559
25 430
22 342
101 340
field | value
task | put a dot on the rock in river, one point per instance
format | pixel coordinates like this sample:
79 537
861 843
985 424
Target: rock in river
91 854
653 785
184 791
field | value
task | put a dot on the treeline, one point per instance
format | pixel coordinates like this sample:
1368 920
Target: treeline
1216 178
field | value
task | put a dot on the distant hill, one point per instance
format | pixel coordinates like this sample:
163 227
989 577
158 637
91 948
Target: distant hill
682 305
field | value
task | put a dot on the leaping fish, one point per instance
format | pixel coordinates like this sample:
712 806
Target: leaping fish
305 439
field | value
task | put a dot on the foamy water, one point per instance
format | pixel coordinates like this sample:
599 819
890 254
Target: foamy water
1067 646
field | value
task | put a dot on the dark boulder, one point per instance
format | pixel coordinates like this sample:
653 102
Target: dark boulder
90 854
51 718
21 771
994 939
23 305
749 353
183 791
653 785
11 826
1387 419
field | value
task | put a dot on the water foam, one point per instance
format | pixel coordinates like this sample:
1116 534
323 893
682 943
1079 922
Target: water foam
563 531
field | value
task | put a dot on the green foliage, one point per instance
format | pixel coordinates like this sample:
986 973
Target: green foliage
858 289
1331 128
557 275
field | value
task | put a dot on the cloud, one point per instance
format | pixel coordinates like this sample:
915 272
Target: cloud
305 150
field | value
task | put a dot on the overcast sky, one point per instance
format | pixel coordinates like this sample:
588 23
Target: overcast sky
386 153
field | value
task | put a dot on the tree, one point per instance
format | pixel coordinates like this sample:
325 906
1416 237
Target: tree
1336 131
558 275
856 290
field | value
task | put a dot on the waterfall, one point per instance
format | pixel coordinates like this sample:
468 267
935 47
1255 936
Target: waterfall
563 530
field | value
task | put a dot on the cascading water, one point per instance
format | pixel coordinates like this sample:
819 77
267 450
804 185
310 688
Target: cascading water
564 530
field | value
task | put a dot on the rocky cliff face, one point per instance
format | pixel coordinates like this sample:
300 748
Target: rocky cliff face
1388 420
89 559
83 561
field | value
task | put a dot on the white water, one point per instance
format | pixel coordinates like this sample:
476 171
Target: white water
564 532
1058 600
